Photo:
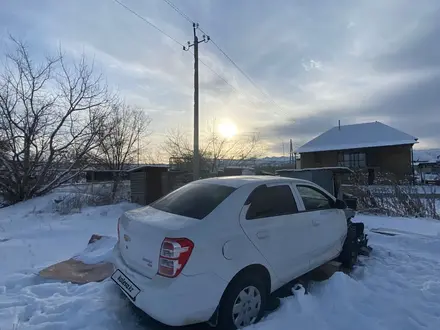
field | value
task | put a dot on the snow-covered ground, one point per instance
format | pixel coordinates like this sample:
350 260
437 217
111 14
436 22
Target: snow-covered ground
398 287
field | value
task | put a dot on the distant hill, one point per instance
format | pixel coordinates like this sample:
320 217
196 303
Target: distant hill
272 160
427 155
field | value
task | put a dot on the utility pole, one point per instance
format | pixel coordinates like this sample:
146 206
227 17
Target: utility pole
138 150
195 44
291 153
293 158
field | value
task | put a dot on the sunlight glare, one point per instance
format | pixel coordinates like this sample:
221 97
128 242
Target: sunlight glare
227 129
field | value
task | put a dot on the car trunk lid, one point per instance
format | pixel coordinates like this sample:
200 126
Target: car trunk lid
141 233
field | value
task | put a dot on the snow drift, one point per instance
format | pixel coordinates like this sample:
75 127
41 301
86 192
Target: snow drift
397 287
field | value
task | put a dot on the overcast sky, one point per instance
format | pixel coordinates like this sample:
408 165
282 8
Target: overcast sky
319 61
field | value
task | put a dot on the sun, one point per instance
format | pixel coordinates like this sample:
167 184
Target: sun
227 130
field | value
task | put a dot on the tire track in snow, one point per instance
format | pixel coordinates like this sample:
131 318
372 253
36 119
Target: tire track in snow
396 288
41 304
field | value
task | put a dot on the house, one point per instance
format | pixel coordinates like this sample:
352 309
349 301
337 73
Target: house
373 147
427 171
427 165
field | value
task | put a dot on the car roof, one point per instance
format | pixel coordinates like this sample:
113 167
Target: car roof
241 180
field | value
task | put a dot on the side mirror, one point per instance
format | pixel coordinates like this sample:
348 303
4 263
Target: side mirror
340 204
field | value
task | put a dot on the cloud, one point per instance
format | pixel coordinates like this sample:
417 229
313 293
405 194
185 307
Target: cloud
420 50
320 61
412 108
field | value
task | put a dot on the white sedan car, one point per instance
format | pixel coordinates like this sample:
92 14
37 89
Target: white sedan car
215 249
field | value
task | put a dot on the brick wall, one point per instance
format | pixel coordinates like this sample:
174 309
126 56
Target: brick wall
319 159
394 159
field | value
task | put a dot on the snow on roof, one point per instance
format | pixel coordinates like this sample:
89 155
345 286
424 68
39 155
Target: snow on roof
148 166
355 136
241 180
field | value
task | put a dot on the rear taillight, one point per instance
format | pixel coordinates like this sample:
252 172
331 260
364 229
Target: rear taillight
174 255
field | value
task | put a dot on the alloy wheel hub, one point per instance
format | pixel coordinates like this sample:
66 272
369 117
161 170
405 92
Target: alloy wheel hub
246 307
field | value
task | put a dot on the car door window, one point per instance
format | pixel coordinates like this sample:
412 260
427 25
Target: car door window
314 199
271 201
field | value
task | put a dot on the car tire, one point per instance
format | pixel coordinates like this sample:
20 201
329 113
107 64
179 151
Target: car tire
248 291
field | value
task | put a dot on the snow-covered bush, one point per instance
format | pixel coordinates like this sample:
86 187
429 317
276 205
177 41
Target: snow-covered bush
77 197
3 202
395 198
75 202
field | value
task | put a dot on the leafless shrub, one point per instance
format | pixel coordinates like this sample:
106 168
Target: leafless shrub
51 115
120 144
394 198
216 151
90 195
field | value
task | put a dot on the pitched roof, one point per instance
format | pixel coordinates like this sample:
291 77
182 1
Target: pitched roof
364 135
139 168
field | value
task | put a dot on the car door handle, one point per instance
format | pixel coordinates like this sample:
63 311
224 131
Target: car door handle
315 223
262 234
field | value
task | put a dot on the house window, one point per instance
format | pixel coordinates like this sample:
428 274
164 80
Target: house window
352 159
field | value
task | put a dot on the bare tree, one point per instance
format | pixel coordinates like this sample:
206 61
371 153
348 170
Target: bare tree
51 115
223 151
216 151
178 147
120 144
154 155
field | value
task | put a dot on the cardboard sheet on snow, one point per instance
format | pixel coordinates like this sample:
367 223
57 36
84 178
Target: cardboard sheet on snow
76 271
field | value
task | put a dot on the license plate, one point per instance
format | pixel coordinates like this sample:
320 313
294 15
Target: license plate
125 284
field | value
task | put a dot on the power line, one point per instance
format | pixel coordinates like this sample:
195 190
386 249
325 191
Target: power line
242 72
148 22
178 42
222 78
181 13
218 75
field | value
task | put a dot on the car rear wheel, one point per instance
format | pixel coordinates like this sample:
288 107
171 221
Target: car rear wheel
243 304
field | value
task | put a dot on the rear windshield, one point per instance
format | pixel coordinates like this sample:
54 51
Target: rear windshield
195 200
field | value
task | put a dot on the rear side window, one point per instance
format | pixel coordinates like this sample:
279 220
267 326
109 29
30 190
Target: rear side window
195 200
272 201
314 199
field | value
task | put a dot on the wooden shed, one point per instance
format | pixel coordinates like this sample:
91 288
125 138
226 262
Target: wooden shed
147 183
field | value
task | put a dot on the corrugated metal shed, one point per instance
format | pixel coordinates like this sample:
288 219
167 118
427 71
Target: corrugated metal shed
325 176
